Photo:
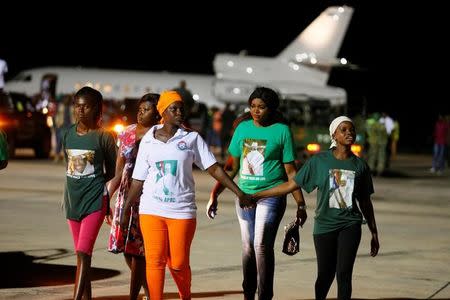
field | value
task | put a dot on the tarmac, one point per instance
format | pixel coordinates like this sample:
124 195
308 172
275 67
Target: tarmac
411 208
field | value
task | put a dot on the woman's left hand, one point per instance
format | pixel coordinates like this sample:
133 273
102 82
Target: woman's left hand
374 245
246 201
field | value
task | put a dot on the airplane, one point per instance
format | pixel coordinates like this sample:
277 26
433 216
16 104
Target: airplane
299 72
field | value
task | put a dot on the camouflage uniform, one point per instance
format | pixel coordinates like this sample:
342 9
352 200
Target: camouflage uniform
377 138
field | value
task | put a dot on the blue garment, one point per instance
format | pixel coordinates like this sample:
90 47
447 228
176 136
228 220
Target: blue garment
438 163
259 228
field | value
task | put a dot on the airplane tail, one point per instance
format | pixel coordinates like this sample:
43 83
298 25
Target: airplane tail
322 39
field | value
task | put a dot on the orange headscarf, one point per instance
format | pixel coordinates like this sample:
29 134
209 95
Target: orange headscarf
165 100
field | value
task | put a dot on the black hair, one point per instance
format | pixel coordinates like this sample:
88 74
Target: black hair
272 100
269 96
150 97
92 95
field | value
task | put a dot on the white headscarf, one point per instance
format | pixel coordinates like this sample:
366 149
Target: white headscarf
334 125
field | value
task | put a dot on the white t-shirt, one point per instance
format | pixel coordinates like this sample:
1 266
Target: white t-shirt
169 189
3 70
388 123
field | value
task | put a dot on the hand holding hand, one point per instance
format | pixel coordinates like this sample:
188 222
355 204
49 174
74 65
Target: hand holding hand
246 201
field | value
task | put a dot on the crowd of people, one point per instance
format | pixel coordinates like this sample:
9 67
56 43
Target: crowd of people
150 168
382 134
153 221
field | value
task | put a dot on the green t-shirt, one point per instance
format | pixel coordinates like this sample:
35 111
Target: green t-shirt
3 146
262 151
87 156
339 183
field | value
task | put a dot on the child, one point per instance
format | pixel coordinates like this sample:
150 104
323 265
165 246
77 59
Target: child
86 199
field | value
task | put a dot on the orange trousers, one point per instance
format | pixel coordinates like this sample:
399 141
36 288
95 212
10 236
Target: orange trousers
167 242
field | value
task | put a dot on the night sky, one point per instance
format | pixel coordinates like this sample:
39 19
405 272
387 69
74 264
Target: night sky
392 45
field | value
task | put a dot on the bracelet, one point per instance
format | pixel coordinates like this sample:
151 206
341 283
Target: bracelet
302 207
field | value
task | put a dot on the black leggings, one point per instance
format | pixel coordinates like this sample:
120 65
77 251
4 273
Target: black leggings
336 253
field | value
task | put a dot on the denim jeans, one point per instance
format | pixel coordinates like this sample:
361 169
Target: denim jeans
259 228
438 163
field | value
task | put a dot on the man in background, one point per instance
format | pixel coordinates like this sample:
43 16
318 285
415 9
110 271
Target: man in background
3 150
3 71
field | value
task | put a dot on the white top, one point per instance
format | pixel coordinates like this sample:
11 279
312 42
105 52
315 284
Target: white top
3 70
388 123
169 189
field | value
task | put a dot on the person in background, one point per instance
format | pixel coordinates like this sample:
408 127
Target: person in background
447 118
64 118
228 117
395 136
389 125
3 71
440 132
262 152
129 240
167 212
186 95
3 150
214 131
86 199
378 139
341 179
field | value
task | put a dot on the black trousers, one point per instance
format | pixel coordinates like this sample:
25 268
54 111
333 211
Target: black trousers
336 253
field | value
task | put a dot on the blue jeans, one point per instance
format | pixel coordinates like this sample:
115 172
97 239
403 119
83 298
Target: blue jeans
259 228
438 157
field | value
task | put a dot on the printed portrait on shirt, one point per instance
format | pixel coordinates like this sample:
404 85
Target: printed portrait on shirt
80 162
253 157
165 179
342 183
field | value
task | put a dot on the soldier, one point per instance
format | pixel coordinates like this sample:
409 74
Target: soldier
377 138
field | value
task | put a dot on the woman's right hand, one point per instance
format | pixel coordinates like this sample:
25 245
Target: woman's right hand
211 206
301 215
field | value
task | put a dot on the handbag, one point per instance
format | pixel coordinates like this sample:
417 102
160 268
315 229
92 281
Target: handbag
291 241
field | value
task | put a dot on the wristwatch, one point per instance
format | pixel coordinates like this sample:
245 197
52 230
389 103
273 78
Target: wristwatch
302 207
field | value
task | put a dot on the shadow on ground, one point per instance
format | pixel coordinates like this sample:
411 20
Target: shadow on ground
175 295
224 293
20 270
